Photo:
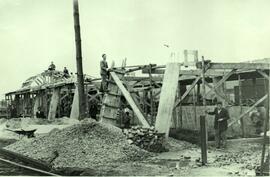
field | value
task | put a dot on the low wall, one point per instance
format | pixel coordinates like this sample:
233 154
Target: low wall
190 120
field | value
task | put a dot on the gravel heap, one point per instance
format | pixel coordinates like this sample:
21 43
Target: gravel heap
86 145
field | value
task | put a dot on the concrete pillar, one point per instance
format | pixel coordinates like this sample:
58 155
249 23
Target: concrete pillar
75 105
54 103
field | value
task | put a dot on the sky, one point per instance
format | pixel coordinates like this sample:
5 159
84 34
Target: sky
35 32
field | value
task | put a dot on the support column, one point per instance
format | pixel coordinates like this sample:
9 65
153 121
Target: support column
36 105
75 105
54 103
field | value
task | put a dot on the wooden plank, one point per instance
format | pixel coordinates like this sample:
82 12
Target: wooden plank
266 76
129 100
54 103
167 98
188 91
213 65
247 111
218 84
194 72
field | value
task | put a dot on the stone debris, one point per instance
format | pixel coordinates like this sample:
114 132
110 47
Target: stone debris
88 144
146 138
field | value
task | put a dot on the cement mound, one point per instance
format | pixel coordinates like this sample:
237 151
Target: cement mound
86 145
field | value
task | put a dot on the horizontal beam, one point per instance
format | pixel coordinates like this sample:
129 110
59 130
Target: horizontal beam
194 72
247 66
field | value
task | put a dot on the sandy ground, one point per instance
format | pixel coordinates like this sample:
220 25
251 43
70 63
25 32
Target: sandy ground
42 126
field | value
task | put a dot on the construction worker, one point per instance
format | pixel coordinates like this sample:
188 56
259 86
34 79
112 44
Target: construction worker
256 117
40 114
52 67
66 72
126 118
103 73
220 124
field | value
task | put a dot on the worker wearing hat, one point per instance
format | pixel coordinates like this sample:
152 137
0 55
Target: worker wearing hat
103 73
220 124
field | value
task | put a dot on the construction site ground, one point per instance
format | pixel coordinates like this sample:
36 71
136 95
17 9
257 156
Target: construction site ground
183 159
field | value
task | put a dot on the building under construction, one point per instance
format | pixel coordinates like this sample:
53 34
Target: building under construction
159 101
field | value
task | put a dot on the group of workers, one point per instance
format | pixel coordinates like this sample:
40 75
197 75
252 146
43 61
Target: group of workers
52 68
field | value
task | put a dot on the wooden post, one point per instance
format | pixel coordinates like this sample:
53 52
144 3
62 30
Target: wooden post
194 106
181 109
240 104
80 76
266 124
198 92
151 96
203 124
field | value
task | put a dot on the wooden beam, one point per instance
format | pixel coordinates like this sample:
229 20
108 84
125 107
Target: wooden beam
266 76
224 78
188 91
167 98
248 110
129 100
219 95
240 104
194 72
246 66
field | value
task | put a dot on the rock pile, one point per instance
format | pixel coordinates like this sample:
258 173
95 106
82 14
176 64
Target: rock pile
146 138
86 145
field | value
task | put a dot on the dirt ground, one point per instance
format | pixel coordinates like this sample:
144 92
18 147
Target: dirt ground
238 159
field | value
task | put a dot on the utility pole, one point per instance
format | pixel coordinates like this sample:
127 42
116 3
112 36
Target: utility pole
80 77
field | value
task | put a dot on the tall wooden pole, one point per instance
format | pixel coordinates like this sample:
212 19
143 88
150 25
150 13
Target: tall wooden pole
203 124
80 77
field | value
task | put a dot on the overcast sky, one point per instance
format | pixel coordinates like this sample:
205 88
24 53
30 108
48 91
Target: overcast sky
35 32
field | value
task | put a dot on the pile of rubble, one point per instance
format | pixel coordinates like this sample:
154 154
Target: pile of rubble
146 138
88 144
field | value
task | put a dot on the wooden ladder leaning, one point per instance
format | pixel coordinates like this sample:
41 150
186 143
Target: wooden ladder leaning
111 103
